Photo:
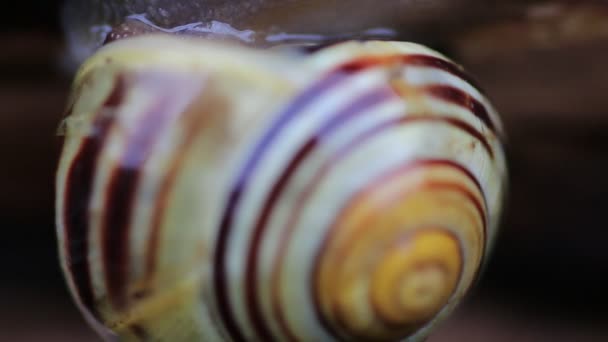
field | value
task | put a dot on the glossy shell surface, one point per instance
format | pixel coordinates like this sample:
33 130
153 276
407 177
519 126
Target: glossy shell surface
214 192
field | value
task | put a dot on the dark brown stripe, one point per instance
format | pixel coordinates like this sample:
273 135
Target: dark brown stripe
466 193
463 126
360 104
445 65
367 62
351 67
480 207
426 185
446 93
399 171
120 200
220 275
79 189
116 219
308 190
462 99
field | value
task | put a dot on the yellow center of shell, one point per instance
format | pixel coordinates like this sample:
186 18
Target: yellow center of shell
415 280
411 283
400 253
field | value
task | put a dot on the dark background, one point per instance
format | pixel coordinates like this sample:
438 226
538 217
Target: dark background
546 279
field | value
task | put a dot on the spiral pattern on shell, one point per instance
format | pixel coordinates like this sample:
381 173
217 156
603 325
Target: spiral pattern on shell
213 192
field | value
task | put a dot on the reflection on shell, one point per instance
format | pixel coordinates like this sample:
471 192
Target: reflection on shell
214 192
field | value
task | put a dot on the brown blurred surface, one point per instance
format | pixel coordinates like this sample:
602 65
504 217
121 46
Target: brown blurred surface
544 282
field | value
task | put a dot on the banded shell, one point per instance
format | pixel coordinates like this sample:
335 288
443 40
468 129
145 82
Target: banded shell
209 192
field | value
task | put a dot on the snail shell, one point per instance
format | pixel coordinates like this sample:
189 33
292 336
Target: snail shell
214 192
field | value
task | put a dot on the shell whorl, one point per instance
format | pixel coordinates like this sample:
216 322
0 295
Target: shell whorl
211 192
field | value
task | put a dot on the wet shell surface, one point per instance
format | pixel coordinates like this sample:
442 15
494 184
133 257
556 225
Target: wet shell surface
210 192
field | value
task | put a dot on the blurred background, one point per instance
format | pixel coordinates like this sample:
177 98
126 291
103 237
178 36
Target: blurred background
545 65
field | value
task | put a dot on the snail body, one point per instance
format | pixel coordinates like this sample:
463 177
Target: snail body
210 192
